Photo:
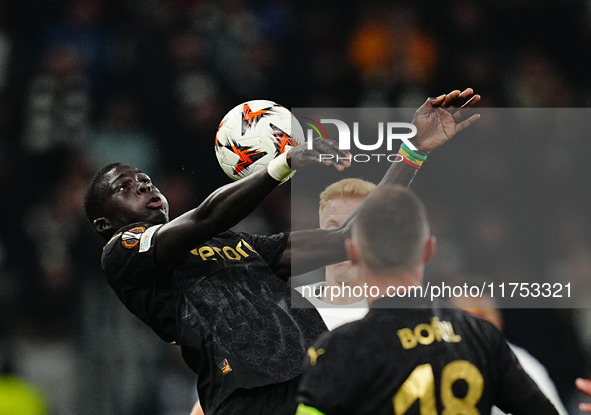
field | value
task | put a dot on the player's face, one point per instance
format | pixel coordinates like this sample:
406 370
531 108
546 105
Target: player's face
133 197
336 212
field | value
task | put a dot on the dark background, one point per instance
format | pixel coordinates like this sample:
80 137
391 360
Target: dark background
83 83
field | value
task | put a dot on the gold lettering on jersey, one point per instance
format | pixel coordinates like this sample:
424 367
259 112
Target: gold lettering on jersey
313 354
230 253
204 252
240 250
247 245
428 333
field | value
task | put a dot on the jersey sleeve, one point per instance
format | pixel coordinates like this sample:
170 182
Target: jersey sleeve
146 291
517 392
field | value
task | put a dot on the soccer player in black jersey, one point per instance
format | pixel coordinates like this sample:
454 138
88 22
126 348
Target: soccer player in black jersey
222 296
420 359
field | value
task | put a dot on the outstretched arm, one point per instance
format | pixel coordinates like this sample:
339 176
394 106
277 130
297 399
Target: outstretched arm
437 121
311 249
229 204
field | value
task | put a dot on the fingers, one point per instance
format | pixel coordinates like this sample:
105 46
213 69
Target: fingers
328 153
464 99
472 102
461 100
454 99
584 385
341 162
466 95
457 99
433 102
463 111
344 164
330 147
451 98
467 123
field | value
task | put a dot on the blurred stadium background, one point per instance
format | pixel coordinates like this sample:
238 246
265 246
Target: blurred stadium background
86 82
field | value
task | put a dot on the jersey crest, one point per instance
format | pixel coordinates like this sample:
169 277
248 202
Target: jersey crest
225 367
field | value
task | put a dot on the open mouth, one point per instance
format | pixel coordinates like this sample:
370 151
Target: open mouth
155 203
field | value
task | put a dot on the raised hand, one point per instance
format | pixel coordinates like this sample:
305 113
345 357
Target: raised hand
440 118
323 151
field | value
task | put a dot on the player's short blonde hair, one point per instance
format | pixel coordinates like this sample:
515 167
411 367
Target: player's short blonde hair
347 188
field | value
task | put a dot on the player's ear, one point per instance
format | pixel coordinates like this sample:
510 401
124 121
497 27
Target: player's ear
352 251
101 225
430 249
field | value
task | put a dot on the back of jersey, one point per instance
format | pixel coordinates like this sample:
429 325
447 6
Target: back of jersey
417 361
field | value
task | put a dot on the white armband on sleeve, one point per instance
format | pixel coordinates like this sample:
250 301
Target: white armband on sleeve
146 238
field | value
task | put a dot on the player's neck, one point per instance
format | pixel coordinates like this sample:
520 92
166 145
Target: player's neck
388 283
341 293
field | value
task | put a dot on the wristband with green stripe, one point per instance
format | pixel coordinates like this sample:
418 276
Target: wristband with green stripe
411 157
413 153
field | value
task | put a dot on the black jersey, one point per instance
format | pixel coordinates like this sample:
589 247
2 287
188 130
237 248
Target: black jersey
222 303
416 361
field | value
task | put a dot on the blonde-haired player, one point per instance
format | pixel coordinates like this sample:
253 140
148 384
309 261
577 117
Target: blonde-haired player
336 298
408 355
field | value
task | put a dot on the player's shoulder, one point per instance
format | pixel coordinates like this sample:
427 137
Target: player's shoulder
355 343
347 333
130 236
332 346
127 242
474 324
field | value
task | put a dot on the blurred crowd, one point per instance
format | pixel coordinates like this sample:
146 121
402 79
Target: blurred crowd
87 82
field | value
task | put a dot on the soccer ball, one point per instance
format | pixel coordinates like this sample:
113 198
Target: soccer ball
252 134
